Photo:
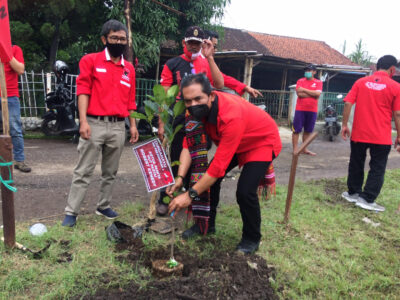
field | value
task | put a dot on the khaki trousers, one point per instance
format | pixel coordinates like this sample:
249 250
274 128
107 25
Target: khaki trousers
107 138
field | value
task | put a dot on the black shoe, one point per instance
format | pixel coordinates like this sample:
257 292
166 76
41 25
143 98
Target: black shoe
195 231
247 247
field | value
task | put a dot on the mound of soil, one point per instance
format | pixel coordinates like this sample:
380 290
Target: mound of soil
221 275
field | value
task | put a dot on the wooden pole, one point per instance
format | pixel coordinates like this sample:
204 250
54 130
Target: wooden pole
293 174
4 101
7 196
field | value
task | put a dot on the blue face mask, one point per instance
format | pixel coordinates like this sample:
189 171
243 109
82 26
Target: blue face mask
308 74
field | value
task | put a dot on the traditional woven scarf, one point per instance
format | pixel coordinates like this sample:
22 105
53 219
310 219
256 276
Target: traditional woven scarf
197 145
267 186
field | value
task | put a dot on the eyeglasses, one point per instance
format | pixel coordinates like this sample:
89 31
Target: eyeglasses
115 39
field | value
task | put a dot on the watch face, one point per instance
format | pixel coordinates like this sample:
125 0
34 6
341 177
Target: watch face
192 193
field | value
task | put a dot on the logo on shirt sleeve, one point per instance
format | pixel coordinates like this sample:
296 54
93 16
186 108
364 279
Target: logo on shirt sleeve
101 70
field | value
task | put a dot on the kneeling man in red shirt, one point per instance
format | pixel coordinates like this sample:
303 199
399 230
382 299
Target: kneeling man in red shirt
246 136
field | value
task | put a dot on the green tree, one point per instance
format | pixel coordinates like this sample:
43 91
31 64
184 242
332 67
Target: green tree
152 24
361 56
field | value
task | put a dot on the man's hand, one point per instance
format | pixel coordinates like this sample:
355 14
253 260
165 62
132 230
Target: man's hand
84 130
397 146
253 92
134 135
207 48
176 187
181 201
345 132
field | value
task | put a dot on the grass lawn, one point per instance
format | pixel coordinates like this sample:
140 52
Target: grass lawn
327 252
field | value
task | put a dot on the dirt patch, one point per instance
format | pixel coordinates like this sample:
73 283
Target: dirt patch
334 188
221 275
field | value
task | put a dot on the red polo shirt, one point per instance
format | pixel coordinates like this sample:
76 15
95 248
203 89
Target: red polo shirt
111 86
308 103
234 84
376 98
239 127
178 67
11 75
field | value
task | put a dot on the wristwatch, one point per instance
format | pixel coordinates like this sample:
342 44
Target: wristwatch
193 194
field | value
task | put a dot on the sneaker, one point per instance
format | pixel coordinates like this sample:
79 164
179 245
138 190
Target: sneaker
369 206
247 246
350 198
69 221
195 231
20 165
162 209
108 213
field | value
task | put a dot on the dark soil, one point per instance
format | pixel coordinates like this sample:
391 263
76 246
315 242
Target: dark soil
334 189
220 276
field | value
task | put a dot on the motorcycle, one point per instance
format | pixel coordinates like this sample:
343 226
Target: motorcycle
332 127
60 117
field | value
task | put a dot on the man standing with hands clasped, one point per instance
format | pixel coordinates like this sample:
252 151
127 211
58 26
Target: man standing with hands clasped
377 99
106 96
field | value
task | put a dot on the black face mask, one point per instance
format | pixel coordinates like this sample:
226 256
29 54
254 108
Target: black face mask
199 112
116 50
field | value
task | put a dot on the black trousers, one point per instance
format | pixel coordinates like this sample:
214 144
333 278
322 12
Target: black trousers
379 156
246 197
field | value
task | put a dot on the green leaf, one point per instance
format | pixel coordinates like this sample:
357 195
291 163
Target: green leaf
179 108
137 115
164 115
149 113
175 163
152 105
168 131
178 128
173 91
166 200
159 93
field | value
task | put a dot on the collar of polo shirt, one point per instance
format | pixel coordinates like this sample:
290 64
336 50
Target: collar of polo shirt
108 58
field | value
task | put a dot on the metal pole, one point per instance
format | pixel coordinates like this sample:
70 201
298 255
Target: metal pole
292 177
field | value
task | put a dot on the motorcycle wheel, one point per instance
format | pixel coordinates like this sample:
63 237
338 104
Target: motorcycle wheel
331 134
50 127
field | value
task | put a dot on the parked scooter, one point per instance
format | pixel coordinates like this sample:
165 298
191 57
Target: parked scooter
60 118
332 127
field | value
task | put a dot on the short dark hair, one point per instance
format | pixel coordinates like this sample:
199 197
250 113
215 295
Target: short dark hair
112 25
211 34
385 62
199 79
310 67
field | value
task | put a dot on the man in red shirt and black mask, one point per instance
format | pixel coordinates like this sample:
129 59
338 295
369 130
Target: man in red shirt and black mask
106 96
246 136
377 99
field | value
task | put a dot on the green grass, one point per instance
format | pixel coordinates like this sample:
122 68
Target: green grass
327 251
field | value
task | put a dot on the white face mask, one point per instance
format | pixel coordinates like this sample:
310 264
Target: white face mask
195 55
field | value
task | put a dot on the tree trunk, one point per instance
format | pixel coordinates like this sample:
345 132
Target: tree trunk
54 45
129 55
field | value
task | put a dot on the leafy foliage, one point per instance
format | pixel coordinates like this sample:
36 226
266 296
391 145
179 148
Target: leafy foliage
67 29
360 56
160 104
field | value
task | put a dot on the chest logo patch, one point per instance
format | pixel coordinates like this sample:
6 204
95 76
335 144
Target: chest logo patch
101 70
125 74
